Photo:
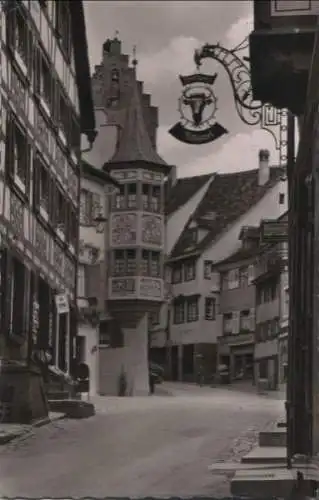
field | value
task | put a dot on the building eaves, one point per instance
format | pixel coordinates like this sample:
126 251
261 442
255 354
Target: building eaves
183 190
98 174
82 69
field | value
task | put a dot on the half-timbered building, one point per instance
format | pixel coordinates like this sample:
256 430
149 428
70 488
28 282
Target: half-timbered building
45 105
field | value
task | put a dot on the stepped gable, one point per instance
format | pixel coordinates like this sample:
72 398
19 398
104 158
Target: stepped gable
184 189
135 144
229 196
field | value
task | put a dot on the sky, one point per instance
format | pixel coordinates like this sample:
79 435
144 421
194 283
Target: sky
165 34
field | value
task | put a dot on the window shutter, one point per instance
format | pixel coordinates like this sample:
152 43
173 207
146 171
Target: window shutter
236 322
251 274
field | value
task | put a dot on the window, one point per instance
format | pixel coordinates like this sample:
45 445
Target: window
81 282
210 308
131 196
72 230
145 196
131 262
228 323
119 262
179 312
246 321
17 155
64 116
233 279
155 265
155 318
189 270
155 198
285 311
243 277
90 207
251 274
119 199
207 269
60 211
177 273
263 369
145 263
44 187
63 26
21 36
192 309
281 198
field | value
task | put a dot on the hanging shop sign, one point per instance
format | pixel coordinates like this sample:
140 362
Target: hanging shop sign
197 108
62 303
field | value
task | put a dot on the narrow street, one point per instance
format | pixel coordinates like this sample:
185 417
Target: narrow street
153 446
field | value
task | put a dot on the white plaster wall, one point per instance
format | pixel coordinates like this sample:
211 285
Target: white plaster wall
203 331
104 144
133 358
91 354
176 221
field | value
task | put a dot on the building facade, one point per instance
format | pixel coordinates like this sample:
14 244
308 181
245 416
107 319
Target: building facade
270 270
237 308
44 75
96 188
135 231
209 235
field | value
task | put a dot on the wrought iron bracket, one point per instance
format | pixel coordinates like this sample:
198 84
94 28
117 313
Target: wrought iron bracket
251 112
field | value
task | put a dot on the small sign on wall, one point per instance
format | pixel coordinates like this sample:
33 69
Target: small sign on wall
62 303
294 8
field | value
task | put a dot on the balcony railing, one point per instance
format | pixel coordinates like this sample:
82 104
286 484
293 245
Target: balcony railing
272 260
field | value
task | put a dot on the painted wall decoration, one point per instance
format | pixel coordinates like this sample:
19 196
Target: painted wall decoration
151 288
152 229
124 229
69 272
43 132
40 241
123 287
58 259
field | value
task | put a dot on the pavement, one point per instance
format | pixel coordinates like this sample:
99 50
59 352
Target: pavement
141 446
9 432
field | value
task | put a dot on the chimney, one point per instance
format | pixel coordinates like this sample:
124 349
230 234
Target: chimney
263 170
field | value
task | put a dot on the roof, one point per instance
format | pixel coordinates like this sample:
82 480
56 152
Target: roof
82 69
238 256
184 189
135 144
98 174
229 196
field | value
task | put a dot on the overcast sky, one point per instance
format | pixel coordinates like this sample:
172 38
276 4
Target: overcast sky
166 34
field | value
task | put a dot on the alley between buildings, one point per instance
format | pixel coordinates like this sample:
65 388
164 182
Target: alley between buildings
143 446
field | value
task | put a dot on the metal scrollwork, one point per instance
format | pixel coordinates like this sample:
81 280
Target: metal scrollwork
251 112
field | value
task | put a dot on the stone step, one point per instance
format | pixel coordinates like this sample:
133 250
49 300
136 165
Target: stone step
72 408
271 482
273 437
57 394
266 454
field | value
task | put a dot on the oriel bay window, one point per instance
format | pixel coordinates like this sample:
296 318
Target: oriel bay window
119 199
192 309
151 198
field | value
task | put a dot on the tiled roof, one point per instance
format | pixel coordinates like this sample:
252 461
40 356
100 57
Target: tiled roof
184 189
229 196
103 177
135 143
239 255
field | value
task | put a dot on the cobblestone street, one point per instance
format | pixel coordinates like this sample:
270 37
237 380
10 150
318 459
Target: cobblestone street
156 446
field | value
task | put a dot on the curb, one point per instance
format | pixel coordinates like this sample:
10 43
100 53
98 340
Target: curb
6 438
